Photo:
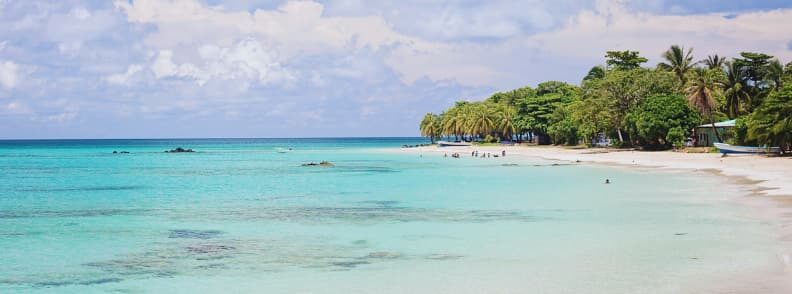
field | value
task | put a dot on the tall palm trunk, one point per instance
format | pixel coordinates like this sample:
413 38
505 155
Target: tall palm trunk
714 129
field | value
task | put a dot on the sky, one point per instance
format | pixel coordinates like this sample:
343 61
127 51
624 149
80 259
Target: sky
335 68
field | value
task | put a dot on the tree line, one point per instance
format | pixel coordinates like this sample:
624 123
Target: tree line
635 105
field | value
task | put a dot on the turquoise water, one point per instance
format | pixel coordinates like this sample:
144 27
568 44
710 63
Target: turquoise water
237 216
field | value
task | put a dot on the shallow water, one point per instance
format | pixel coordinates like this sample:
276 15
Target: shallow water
239 216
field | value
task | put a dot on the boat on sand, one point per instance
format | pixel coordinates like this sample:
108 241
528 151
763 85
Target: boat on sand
731 149
449 144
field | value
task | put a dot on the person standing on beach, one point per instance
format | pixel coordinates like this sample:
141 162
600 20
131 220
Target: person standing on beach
503 153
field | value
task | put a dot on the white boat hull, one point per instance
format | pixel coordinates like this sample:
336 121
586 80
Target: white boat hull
731 149
450 144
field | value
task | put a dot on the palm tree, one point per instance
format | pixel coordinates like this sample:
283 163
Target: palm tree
505 121
480 120
430 126
679 62
453 122
735 91
699 93
714 62
771 123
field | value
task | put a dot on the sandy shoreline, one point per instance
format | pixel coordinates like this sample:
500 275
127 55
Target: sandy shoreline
772 175
770 179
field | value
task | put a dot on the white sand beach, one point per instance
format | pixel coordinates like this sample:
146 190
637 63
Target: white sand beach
773 175
768 178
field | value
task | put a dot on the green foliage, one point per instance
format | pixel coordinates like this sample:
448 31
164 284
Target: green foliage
562 128
431 126
787 77
775 74
534 113
754 66
701 90
771 123
478 119
676 136
624 60
736 93
594 73
645 106
617 94
653 119
592 117
741 132
510 98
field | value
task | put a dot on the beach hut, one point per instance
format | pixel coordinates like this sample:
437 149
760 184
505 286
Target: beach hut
704 134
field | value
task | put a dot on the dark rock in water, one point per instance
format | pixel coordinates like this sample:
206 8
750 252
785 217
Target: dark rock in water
208 248
322 163
179 150
194 234
101 281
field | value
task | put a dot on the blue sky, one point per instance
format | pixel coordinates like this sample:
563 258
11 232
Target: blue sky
213 68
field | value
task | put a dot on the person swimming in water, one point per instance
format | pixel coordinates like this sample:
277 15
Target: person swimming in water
607 181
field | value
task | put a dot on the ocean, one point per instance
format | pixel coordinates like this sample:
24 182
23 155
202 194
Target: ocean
245 216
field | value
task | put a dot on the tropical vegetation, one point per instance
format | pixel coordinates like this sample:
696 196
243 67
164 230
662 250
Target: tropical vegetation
627 103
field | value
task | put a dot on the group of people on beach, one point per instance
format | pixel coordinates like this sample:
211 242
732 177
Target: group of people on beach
475 153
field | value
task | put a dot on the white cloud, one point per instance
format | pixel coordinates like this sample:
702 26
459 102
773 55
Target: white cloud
295 29
612 26
123 78
8 74
583 41
461 20
248 59
232 45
